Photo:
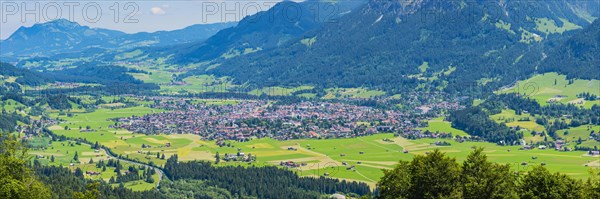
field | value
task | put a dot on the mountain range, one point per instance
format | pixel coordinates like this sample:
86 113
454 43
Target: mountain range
391 45
425 44
276 27
64 36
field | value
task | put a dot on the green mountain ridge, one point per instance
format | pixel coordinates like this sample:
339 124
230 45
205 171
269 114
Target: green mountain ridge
382 44
578 56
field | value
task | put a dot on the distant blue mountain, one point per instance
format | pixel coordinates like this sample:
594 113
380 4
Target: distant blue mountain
64 36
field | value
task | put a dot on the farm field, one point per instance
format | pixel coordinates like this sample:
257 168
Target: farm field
198 84
12 105
573 134
543 89
439 125
332 157
279 91
336 93
525 121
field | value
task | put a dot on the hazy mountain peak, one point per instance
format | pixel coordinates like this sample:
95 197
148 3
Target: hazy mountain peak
64 36
60 23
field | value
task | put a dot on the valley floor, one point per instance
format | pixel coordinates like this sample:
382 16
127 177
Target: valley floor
360 159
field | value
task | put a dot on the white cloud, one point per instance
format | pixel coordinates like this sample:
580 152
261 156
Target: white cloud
157 11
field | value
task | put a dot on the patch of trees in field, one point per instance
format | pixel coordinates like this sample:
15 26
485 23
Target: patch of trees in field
588 96
547 116
261 182
476 121
438 176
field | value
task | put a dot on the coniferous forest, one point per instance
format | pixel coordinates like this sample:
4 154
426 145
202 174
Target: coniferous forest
261 182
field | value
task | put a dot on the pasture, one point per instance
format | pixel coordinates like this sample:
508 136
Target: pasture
525 121
279 91
439 125
573 134
336 93
552 87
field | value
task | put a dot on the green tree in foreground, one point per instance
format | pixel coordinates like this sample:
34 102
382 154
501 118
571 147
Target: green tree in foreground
92 192
437 176
431 176
483 179
592 187
540 183
16 179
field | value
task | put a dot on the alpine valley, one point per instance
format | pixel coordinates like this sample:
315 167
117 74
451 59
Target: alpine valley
310 99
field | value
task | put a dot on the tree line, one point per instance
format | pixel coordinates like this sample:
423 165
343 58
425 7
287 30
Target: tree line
476 121
438 176
261 182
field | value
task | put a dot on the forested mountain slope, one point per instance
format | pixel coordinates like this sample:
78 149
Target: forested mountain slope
399 45
579 56
284 22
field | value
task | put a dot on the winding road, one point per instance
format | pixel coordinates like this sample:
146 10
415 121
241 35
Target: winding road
158 170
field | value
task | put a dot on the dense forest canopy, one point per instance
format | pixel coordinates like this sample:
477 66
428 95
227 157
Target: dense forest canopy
438 176
253 181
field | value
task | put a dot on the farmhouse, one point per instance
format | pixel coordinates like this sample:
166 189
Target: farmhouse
92 173
290 164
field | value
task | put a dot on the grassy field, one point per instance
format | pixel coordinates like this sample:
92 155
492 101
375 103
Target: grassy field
329 156
549 26
543 89
524 121
12 105
572 135
439 125
279 91
199 84
334 93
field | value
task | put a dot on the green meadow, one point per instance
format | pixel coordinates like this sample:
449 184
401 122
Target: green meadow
439 125
573 134
549 26
333 93
552 87
525 121
279 91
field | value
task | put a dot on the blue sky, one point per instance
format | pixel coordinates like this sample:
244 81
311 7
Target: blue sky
127 16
